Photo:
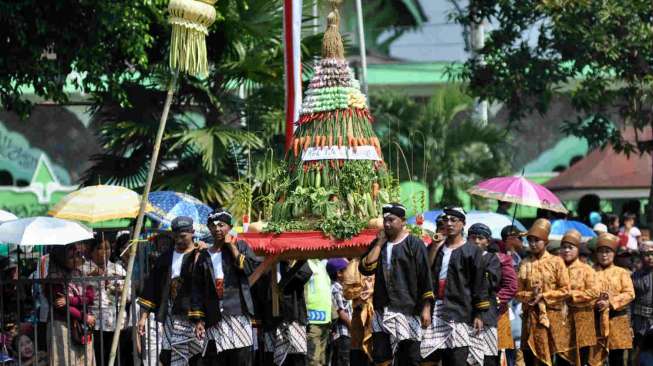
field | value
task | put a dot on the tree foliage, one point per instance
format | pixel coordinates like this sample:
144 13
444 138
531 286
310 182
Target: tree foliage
599 53
205 145
442 147
44 41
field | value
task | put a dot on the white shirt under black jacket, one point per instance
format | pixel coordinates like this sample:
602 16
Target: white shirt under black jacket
231 331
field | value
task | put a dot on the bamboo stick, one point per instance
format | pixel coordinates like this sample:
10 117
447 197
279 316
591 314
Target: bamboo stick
141 214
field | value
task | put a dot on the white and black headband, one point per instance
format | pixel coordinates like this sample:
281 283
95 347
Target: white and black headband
221 216
394 209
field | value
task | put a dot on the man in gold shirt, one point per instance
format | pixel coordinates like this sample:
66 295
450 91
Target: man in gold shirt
616 293
579 333
543 286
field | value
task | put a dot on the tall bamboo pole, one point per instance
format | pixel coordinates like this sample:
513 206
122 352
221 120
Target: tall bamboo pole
190 21
141 214
361 45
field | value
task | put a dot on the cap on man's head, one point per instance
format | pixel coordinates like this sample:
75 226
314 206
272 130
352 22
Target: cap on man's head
220 215
540 229
182 224
607 240
480 229
572 237
511 230
458 212
393 208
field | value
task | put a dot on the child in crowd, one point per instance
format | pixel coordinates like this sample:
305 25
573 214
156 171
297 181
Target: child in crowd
340 336
629 234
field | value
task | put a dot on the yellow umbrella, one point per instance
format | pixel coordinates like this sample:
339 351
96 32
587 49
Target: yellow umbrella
98 203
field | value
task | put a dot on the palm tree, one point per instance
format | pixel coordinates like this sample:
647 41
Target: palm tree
437 143
206 144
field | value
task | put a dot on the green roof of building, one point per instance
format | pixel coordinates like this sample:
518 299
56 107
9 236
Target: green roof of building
411 73
559 155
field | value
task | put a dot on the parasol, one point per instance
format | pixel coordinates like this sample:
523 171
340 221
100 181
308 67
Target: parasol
43 231
6 216
560 227
166 205
98 203
518 190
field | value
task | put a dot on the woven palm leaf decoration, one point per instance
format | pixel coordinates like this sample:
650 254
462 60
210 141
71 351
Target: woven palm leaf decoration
190 20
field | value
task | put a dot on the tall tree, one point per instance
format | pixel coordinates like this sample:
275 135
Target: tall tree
599 53
44 41
441 145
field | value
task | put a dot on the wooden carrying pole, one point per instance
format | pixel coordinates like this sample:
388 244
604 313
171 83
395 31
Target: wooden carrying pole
140 218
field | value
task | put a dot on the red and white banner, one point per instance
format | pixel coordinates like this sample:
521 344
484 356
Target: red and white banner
292 35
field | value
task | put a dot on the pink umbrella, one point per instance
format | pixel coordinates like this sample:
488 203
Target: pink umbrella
518 190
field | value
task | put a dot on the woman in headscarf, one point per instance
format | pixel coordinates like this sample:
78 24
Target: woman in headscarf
69 333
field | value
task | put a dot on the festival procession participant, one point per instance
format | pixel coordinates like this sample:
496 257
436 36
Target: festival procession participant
403 290
359 289
542 287
584 291
340 339
510 321
221 302
505 293
461 300
284 336
167 292
481 235
616 293
438 239
512 244
642 308
318 302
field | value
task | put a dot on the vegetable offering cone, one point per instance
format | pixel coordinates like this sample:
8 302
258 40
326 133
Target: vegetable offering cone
335 154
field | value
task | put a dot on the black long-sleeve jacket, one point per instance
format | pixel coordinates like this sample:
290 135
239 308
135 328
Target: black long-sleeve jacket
156 293
292 303
407 284
466 294
237 297
492 266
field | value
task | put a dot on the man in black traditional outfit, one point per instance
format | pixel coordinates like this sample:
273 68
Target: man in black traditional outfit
221 302
167 292
484 345
403 293
642 307
284 335
461 298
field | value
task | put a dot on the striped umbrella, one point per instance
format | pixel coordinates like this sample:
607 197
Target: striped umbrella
98 203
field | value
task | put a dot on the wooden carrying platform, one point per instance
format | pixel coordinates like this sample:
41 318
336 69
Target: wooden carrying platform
298 246
303 245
